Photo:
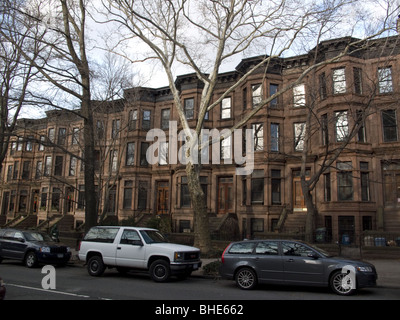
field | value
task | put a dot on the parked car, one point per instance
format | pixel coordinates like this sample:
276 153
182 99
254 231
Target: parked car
32 248
129 248
293 263
2 289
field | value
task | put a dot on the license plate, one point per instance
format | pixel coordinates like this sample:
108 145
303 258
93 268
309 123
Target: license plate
60 255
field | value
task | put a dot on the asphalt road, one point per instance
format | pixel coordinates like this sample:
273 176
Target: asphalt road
73 283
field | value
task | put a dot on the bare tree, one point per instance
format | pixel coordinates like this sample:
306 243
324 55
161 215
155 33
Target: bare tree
203 35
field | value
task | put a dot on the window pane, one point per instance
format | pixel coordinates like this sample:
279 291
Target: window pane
339 81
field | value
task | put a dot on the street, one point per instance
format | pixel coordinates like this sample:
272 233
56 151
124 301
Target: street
73 283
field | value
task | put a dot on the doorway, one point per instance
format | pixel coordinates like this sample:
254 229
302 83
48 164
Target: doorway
163 197
225 195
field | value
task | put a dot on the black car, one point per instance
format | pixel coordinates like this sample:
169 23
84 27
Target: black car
32 248
293 263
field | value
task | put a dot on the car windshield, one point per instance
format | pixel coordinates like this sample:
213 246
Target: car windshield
152 236
37 236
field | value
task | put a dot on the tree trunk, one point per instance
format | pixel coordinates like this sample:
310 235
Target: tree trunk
311 211
202 238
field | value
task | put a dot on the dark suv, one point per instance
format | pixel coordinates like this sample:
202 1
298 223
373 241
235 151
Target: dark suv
32 247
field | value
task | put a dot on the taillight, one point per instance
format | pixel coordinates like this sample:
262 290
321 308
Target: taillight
223 258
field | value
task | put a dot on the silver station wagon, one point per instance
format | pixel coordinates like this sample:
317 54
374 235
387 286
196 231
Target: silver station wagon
293 263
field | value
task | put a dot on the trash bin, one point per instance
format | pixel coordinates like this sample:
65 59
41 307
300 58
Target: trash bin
320 235
380 242
345 239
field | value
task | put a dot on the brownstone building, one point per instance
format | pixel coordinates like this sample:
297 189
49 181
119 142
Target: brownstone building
355 97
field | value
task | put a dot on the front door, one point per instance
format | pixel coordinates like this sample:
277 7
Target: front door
163 197
225 195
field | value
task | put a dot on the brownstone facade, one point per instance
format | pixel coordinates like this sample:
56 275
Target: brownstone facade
360 191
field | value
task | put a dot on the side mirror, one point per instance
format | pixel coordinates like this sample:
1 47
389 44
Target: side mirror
137 243
22 240
312 255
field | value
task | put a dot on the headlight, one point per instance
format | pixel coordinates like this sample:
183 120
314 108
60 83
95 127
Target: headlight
179 256
45 249
364 269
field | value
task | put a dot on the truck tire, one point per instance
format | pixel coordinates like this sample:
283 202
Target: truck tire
96 266
160 270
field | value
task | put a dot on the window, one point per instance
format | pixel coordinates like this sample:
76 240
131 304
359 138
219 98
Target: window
258 133
41 144
16 170
327 187
364 172
81 197
275 186
75 136
55 199
299 95
189 108
242 248
62 136
100 129
143 149
341 126
165 117
130 154
295 249
23 200
116 127
226 151
357 73
10 172
163 153
72 166
385 83
345 181
324 128
244 98
29 144
185 195
299 136
256 93
130 237
113 160
47 166
226 108
132 120
58 166
268 248
51 135
146 121
39 169
257 187
361 129
322 86
389 122
43 199
128 192
339 81
391 178
142 195
275 137
26 170
273 88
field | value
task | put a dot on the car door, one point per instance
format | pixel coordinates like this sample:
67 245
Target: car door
300 264
6 244
130 250
269 262
18 245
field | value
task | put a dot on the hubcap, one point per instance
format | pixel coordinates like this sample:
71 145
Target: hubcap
245 279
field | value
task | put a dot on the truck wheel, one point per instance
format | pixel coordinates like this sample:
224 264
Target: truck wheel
160 271
96 266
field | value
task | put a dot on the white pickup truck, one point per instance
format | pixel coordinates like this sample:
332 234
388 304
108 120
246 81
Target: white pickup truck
137 248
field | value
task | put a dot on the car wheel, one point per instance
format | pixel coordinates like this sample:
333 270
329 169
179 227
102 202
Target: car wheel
31 259
342 284
160 271
96 266
246 279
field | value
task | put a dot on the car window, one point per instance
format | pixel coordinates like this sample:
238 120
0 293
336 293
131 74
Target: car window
9 235
101 235
152 236
242 248
295 249
129 237
18 235
267 248
37 236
